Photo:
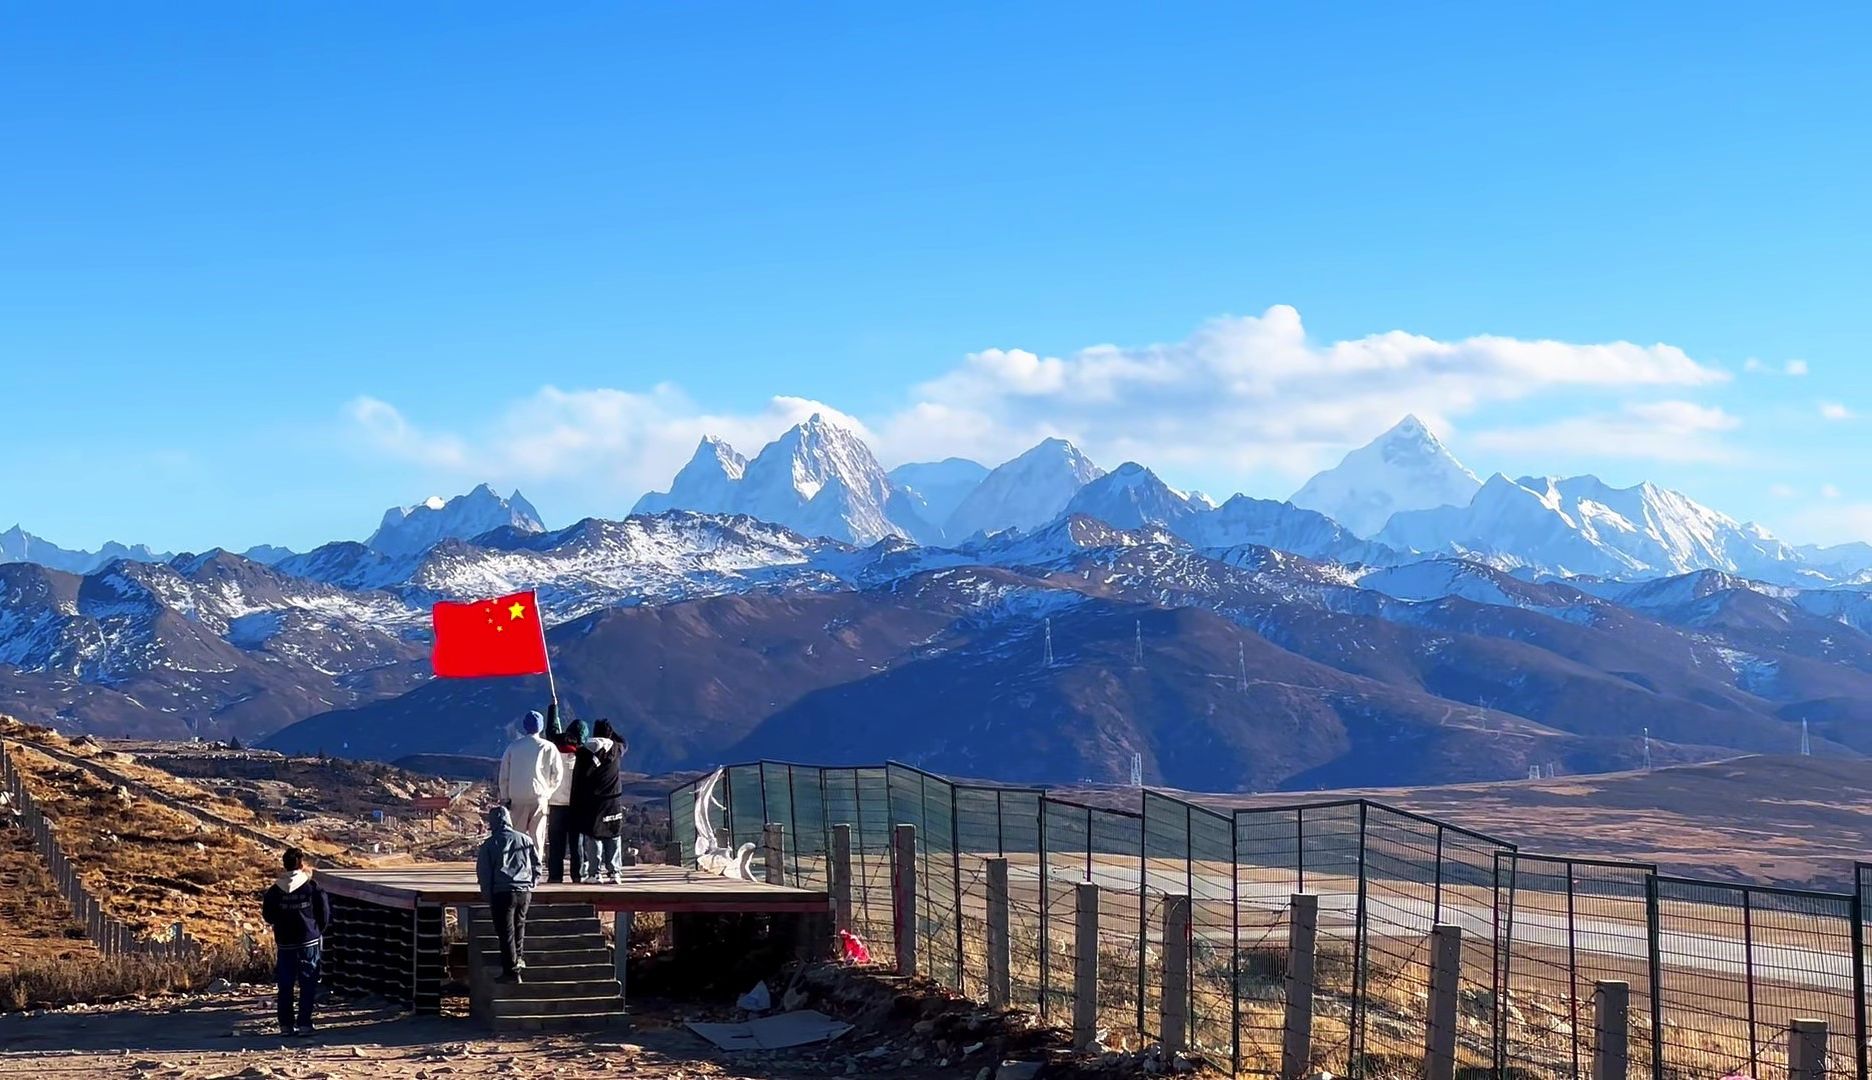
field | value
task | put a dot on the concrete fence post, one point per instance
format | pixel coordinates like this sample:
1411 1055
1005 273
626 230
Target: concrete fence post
724 838
673 854
1302 938
1440 1028
1174 1023
841 875
773 839
904 897
1611 1030
1807 1049
1000 984
1085 965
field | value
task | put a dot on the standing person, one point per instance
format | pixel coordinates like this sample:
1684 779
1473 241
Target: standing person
598 802
298 911
531 770
559 805
507 867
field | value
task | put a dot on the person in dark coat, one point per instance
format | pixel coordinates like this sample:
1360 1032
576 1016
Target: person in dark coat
561 841
598 802
299 912
507 866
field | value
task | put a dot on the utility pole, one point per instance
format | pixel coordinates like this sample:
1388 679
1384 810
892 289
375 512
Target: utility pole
1047 660
1806 743
1647 749
1241 659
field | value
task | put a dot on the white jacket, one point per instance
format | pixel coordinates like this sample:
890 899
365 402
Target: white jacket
562 794
530 770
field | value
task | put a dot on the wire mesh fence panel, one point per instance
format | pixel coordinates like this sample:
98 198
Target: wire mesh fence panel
928 802
977 839
1862 891
1020 843
1567 925
1466 898
1330 860
1066 853
1401 864
1267 874
1116 845
1166 871
1212 1006
860 798
777 809
1735 964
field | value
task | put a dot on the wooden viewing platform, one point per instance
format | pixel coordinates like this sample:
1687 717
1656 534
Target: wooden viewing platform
387 933
651 887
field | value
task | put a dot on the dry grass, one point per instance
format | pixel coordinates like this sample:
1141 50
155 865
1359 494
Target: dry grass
149 865
44 982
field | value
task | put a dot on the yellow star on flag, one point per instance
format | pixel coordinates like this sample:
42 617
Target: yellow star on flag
518 611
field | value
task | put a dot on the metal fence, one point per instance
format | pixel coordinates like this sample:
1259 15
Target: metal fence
1716 970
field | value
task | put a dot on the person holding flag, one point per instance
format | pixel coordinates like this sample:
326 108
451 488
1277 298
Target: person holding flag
506 637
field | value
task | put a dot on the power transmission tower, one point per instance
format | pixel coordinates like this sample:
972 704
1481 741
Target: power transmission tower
1137 770
1806 743
1241 659
1137 656
1047 660
1533 772
1647 749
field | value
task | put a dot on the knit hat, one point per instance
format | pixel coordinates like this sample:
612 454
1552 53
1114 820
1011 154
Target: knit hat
532 722
578 732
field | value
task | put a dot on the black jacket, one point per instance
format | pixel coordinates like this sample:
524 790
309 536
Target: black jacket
297 910
598 792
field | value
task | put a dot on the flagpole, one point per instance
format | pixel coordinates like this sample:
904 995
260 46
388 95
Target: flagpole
552 684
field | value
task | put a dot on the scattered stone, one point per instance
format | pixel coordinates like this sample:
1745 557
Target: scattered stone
220 986
1018 1070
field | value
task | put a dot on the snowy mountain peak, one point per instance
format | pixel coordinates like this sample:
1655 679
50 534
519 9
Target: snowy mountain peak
1406 468
1131 497
1024 493
820 478
407 530
19 546
706 484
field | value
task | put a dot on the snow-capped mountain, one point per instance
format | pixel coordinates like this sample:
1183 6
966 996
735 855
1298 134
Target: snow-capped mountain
707 485
1581 525
1024 493
409 530
817 478
938 487
1131 496
19 546
1406 468
1284 527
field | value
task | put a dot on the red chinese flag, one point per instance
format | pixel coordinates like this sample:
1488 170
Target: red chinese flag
489 637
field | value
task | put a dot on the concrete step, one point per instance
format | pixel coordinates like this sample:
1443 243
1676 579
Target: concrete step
502 1007
536 988
555 955
530 1025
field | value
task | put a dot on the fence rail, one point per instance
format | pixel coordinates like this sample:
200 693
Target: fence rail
111 936
1529 954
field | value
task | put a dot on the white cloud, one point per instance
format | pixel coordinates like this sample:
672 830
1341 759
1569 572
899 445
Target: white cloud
1828 491
1794 368
1673 431
1834 522
1256 391
1833 410
1782 491
616 442
1238 394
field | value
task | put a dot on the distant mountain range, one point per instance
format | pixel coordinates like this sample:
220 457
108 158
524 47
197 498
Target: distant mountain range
807 598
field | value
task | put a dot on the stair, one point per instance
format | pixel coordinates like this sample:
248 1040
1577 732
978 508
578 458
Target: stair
571 983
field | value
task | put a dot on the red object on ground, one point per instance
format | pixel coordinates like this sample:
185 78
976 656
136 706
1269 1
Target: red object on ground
489 638
852 947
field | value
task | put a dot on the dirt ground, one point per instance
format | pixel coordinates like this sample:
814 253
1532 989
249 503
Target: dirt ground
35 922
231 1035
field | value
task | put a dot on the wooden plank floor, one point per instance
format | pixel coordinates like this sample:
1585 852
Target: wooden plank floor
643 888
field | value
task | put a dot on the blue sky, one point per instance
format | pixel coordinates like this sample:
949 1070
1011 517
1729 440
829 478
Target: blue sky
271 268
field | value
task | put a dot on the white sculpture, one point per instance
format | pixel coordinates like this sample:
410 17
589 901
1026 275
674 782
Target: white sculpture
710 857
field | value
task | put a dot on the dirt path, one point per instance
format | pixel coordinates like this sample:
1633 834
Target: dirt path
220 1036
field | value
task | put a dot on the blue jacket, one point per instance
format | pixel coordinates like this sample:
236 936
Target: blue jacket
508 861
297 910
